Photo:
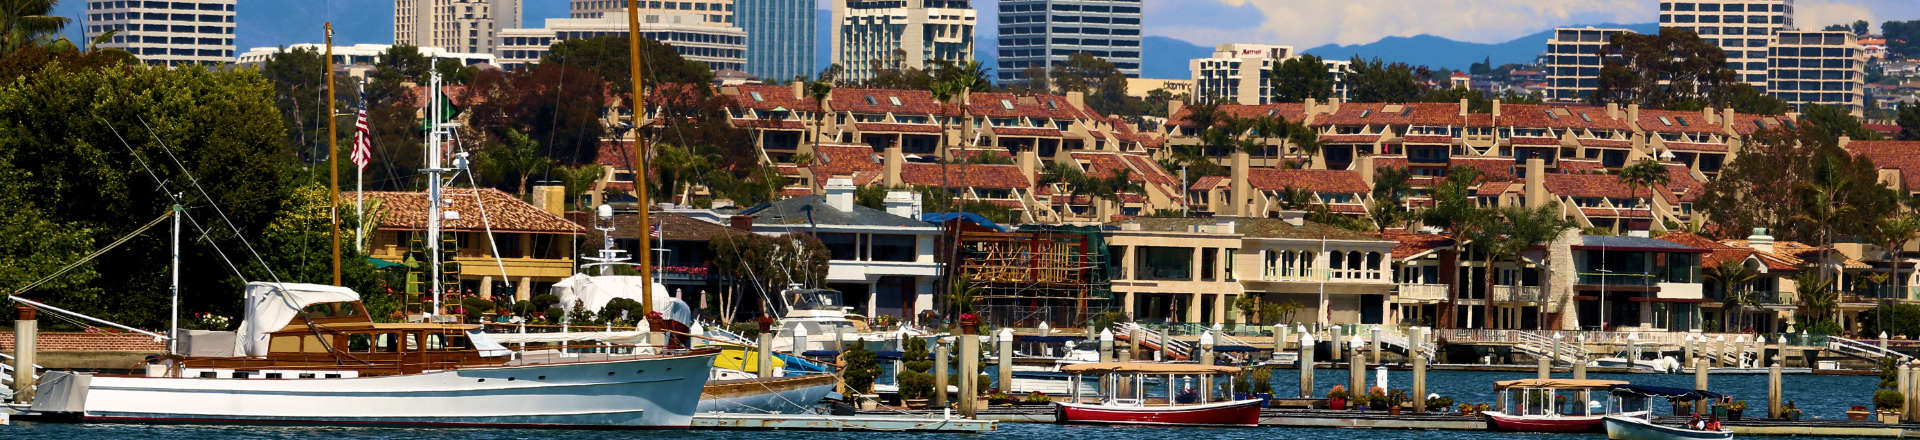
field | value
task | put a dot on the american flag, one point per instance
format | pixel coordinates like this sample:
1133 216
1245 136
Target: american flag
362 138
654 232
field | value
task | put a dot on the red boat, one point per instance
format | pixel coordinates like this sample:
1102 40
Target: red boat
1548 405
1125 399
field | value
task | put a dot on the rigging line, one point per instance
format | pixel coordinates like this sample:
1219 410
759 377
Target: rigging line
203 193
95 254
486 225
162 186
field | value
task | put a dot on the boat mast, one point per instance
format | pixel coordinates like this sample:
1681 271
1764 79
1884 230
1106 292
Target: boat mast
333 161
640 155
173 334
433 183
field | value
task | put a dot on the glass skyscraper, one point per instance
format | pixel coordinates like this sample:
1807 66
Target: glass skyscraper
1044 33
780 37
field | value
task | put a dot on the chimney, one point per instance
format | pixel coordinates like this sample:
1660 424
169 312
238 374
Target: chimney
1295 218
891 161
1760 241
551 198
1844 140
1311 104
1334 104
1633 113
1242 189
1496 109
1029 161
741 222
1536 185
1707 116
799 89
904 204
1223 225
840 194
1077 99
1613 110
1463 107
1726 119
1366 168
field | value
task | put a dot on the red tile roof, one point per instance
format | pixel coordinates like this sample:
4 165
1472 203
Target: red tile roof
901 128
771 96
407 211
1104 165
844 160
1039 106
1676 122
1606 143
1680 180
1580 166
1536 142
1024 131
785 124
614 154
1320 181
1610 212
1596 185
1412 113
1407 244
882 101
1426 139
1560 116
1350 138
1491 168
1291 111
1698 147
1209 182
961 176
1893 155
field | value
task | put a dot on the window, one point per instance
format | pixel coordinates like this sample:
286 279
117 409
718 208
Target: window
842 246
386 343
894 248
360 343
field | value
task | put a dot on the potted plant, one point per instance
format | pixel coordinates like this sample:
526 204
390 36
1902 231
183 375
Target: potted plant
999 397
1359 402
969 323
1337 397
1466 410
859 367
1888 404
1396 401
1789 411
1735 409
1439 404
1481 408
1262 379
1036 398
1858 413
915 376
1377 399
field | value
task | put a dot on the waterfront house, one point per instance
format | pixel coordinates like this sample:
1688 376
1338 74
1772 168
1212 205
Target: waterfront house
496 240
1193 269
882 261
1633 283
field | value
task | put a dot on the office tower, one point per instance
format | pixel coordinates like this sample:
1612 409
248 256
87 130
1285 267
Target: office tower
896 34
1044 33
166 33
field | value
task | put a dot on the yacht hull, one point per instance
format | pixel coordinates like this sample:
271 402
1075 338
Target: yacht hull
651 392
778 395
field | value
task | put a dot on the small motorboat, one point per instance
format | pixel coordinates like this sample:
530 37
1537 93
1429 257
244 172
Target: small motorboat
1125 397
1627 427
1549 405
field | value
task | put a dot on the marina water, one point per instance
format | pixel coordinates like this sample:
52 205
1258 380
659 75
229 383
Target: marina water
1822 397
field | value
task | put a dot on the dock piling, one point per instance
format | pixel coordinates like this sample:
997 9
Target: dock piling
969 371
1545 367
940 355
1376 345
1580 367
1106 345
1356 367
1773 388
1133 344
765 359
1279 340
26 327
1903 381
1004 349
799 341
1205 348
1419 337
1700 367
1306 365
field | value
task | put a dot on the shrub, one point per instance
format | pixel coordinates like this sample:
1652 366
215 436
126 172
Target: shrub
476 307
1888 400
862 366
916 381
1439 403
632 310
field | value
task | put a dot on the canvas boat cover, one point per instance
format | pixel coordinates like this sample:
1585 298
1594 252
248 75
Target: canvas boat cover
270 306
593 293
1679 394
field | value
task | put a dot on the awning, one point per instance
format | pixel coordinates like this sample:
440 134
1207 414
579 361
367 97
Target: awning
383 264
1681 394
1557 384
1146 368
1045 339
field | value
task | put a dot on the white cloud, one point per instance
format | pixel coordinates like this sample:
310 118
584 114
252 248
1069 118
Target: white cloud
1307 23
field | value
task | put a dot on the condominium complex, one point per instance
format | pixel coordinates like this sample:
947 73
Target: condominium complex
1242 73
360 54
1743 28
718 11
457 25
780 37
1573 62
720 45
900 34
1044 33
166 33
1819 68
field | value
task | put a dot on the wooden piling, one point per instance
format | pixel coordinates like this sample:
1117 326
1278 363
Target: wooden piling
765 353
1306 365
940 356
1700 367
26 327
1004 349
1356 367
1774 404
1415 340
969 372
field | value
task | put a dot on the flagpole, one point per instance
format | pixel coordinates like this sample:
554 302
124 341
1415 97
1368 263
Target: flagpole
359 184
333 160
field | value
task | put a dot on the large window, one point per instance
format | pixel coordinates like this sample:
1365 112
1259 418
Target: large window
842 246
894 248
1164 263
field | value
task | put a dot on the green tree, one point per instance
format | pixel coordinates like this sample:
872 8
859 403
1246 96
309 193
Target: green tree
675 167
1376 81
1647 173
1390 190
1903 38
1745 98
1816 300
453 72
1671 69
607 57
27 22
1511 230
916 373
1453 205
1300 78
1908 116
1732 278
513 161
1833 122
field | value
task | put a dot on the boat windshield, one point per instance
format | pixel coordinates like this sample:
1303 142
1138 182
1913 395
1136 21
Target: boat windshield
815 299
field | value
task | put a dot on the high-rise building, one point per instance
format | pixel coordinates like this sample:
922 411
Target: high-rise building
1242 73
719 11
780 37
720 45
900 34
1573 62
1043 33
166 33
1742 28
1818 68
456 25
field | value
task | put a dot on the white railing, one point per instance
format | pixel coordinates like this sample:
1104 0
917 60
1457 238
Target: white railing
1864 350
6 376
1562 349
1516 293
1149 336
1423 292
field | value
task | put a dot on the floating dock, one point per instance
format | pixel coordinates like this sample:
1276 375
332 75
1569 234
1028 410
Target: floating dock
870 422
1319 418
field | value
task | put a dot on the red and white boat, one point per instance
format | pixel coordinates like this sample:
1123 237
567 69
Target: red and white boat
1549 405
1125 400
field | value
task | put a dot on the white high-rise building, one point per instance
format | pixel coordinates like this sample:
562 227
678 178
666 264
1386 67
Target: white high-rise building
717 11
1742 28
166 33
720 45
1242 73
1818 68
1573 62
900 33
1044 33
458 25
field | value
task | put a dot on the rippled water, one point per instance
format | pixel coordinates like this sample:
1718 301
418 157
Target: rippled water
1824 397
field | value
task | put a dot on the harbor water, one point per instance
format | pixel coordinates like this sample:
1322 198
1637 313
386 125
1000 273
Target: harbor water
1822 397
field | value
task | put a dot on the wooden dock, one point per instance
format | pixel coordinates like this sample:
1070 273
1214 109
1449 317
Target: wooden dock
1320 418
869 422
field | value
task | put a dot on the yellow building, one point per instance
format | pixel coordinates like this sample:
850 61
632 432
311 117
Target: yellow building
534 245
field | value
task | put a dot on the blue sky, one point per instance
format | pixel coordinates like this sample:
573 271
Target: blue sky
1301 23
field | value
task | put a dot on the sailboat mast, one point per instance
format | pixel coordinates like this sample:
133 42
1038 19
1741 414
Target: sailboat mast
333 160
433 184
640 155
173 336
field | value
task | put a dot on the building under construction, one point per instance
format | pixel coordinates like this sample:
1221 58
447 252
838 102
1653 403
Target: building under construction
1036 274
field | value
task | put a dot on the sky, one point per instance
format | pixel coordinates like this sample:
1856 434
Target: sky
1300 23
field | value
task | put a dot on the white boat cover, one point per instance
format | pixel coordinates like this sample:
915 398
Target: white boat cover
620 337
593 293
270 306
486 345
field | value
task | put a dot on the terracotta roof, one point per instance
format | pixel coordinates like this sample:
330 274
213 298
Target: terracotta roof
1596 185
844 160
1320 181
1560 116
770 96
1025 131
967 175
1676 122
976 151
1697 146
1407 244
1103 165
1580 166
1536 142
883 101
1610 212
903 128
1491 168
1038 106
1680 180
1162 181
103 340
1746 124
1892 155
1208 182
785 124
1427 139
1605 143
792 191
1412 113
1350 138
1291 111
1494 188
613 154
407 211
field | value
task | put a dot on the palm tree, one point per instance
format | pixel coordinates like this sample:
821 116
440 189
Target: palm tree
1076 182
1508 231
1645 173
1295 199
1815 298
26 22
1823 206
819 91
1305 138
516 155
1390 188
1732 276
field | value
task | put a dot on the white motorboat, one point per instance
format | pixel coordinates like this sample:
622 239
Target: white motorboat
308 354
1636 428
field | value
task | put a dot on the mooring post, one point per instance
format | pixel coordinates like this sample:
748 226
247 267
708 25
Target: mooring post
25 329
1720 352
799 341
1356 367
1106 345
969 370
1205 347
1543 367
1774 408
940 356
1700 367
1005 350
1415 341
1376 345
1279 340
1912 408
1903 382
1134 338
1306 365
765 359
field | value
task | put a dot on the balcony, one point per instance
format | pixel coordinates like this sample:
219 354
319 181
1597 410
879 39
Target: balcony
1518 293
1619 279
1771 297
1422 293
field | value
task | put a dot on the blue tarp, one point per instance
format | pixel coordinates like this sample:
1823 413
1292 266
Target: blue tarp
798 365
1672 393
943 217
